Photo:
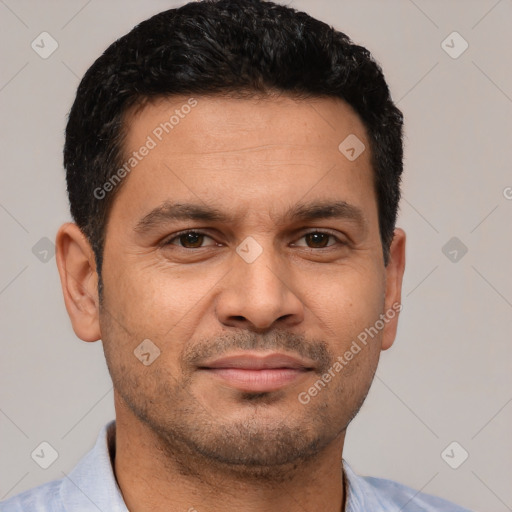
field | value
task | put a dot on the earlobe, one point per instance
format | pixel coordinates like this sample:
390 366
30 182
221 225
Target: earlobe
394 275
79 280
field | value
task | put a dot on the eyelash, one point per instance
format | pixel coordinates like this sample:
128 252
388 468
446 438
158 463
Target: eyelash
181 233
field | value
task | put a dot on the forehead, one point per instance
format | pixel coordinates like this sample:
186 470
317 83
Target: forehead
220 123
235 154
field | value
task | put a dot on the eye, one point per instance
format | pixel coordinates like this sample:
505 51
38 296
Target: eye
319 239
194 240
188 239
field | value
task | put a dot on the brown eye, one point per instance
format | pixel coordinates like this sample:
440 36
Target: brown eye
188 240
194 239
319 240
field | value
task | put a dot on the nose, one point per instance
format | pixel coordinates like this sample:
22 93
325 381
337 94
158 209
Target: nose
259 296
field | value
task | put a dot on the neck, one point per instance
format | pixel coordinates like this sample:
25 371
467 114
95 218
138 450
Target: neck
153 477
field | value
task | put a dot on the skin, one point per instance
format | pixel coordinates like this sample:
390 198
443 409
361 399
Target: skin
186 440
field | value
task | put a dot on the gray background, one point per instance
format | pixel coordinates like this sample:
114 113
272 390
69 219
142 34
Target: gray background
448 376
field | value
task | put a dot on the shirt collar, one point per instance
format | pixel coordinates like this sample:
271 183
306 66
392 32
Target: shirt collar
92 484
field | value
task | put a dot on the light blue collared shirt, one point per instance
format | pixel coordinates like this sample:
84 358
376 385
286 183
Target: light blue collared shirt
91 486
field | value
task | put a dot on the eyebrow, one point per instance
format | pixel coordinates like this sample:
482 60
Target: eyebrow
315 210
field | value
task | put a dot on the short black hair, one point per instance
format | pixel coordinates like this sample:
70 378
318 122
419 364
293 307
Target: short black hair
234 48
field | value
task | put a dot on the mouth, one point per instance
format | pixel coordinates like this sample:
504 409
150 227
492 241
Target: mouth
254 372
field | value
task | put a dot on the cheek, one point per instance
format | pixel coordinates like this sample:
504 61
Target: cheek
158 302
150 299
352 307
348 302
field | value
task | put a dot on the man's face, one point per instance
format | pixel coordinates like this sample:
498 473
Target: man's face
252 281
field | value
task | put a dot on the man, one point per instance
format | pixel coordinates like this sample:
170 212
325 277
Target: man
233 171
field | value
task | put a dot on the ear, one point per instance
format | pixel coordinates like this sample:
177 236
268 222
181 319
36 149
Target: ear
79 280
394 274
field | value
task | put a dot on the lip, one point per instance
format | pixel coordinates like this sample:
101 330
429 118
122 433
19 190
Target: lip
258 361
258 373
